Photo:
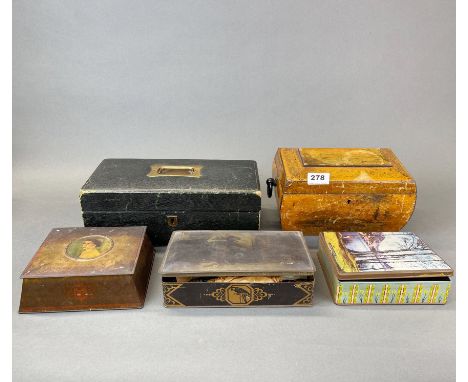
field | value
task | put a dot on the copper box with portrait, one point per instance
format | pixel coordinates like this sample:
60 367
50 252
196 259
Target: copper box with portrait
173 194
341 189
237 269
88 269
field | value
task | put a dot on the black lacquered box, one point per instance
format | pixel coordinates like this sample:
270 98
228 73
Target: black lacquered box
171 194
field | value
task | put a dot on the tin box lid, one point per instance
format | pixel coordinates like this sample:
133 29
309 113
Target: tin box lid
223 253
355 170
172 184
69 252
381 255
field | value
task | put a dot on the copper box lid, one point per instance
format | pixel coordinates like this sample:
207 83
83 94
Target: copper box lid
101 251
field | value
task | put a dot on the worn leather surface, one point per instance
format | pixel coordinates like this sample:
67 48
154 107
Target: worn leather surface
124 185
170 201
158 229
216 176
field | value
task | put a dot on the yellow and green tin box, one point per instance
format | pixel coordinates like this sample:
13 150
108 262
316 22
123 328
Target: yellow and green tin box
382 268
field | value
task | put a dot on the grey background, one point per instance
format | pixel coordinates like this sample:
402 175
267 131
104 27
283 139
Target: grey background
230 80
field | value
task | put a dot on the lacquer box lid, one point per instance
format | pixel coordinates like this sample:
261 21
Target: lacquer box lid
360 170
381 255
224 253
165 184
69 252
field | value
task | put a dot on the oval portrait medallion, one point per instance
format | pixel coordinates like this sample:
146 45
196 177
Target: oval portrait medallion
89 247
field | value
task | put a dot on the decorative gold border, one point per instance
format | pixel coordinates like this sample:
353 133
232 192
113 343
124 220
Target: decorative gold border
256 294
307 288
168 289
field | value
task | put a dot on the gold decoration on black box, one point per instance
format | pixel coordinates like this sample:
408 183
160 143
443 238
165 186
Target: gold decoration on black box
239 294
168 289
307 289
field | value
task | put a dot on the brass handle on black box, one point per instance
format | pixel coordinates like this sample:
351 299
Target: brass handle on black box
167 170
270 184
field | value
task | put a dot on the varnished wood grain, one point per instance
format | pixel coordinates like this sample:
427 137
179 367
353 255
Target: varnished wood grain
357 199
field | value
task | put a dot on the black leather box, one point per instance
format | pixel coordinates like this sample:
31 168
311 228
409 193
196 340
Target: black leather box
173 194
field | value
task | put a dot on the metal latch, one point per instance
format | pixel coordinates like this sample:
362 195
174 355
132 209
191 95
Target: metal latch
172 220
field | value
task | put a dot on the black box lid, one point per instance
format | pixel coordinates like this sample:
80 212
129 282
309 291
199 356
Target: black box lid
172 185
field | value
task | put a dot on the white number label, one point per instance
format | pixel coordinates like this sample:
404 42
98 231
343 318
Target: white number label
318 178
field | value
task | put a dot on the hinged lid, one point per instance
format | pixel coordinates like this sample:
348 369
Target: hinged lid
352 170
381 255
172 185
68 252
224 253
